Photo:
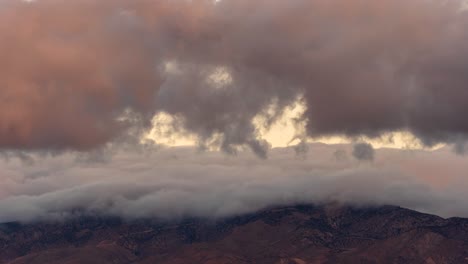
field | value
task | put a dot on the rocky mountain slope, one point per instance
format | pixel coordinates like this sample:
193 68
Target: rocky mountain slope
287 235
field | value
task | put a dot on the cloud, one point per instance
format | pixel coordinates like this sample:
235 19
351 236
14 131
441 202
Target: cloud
77 82
93 83
363 152
180 182
340 155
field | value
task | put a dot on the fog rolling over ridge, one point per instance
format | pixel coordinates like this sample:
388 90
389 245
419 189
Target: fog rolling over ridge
174 183
78 74
83 80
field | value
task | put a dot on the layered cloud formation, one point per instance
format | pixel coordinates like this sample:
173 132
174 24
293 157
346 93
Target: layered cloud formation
175 183
89 76
78 74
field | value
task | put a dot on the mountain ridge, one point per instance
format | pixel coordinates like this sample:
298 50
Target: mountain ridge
297 234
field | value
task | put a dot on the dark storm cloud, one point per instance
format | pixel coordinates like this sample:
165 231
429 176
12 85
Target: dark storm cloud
78 74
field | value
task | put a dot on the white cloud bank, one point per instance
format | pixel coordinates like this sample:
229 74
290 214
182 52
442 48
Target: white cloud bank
179 182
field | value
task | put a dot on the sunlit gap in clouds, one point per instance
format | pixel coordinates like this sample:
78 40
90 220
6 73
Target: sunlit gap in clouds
288 130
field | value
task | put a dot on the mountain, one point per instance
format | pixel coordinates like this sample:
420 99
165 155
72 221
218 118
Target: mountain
287 235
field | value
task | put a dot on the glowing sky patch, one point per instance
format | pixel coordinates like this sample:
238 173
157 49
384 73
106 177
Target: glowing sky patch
288 130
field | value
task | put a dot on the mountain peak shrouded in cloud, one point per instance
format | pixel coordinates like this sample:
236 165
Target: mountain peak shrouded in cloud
79 74
89 81
173 183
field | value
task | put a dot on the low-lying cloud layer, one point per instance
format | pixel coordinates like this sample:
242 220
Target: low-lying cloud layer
78 74
82 76
174 183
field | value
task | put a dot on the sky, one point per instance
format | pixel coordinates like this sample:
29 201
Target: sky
322 93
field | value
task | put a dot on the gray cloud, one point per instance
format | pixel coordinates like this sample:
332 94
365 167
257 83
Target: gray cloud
93 83
179 182
363 151
70 81
340 155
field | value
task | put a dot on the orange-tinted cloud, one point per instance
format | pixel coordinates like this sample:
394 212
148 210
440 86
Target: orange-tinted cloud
69 70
